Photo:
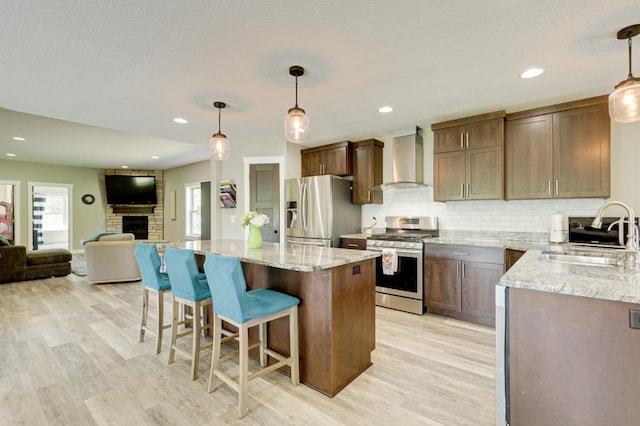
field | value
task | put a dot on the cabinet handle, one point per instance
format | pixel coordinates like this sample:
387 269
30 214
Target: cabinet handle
463 271
368 195
556 187
461 140
457 270
549 189
467 138
460 253
352 245
462 190
467 195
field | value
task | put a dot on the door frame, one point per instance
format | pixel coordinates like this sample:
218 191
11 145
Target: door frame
279 160
17 222
69 187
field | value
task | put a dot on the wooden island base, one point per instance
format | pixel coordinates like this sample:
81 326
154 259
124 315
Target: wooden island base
336 319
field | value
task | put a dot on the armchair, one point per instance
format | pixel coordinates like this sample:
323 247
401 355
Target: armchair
111 258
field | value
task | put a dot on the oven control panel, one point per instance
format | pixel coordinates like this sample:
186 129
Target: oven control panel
394 244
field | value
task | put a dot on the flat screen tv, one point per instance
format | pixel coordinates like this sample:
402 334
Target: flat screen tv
122 189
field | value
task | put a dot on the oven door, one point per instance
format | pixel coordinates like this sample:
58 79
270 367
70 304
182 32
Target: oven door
407 280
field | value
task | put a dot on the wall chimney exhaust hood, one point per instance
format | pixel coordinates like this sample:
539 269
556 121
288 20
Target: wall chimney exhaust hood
406 159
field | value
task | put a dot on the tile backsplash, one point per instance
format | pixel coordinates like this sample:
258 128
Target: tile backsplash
489 215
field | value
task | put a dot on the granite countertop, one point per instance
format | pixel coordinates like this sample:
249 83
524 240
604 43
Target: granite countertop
510 240
295 257
617 283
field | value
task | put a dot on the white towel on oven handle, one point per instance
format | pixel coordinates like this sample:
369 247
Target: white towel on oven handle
389 261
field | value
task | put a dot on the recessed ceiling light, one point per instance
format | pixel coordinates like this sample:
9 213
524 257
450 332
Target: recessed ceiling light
385 109
532 72
155 157
18 138
124 167
8 154
180 120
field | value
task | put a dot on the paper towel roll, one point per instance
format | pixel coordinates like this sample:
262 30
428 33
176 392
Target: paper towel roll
555 230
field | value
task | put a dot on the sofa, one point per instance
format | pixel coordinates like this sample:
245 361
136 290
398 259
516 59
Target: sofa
110 258
16 264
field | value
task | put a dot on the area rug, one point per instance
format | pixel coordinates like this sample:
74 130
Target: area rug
78 265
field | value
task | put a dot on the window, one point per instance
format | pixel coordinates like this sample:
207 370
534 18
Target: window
55 213
194 210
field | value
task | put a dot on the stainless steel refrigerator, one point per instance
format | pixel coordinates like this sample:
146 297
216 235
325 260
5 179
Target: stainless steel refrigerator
319 210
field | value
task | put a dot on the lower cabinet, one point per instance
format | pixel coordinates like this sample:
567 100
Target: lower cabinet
459 281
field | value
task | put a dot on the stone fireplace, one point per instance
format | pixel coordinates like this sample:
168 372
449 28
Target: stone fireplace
153 215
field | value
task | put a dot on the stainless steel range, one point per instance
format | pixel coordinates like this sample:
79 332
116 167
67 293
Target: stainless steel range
399 271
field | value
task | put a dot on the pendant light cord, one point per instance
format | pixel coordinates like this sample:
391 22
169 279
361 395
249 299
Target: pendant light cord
297 87
219 119
630 73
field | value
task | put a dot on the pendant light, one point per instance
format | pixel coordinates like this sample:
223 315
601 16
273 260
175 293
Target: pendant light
296 122
624 103
219 144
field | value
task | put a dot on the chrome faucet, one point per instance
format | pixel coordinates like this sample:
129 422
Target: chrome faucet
364 230
632 242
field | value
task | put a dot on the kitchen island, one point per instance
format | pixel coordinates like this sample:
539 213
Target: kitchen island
566 349
337 310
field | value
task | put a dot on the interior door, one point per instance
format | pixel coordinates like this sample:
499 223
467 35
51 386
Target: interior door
264 197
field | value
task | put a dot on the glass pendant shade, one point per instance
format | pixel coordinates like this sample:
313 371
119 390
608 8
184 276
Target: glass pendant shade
624 103
219 146
296 125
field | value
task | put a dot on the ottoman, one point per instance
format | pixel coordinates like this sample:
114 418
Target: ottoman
48 263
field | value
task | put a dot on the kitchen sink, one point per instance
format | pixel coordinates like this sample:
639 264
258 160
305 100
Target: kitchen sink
585 257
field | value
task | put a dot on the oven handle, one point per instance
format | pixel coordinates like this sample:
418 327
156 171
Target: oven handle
414 254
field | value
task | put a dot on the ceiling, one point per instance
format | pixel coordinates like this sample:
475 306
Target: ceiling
98 83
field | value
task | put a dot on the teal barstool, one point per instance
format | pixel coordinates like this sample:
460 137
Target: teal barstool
189 288
245 309
152 281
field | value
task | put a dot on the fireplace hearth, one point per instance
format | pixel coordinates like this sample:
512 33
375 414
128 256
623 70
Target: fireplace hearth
137 225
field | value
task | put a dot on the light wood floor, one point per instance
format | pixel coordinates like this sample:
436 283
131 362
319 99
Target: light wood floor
69 356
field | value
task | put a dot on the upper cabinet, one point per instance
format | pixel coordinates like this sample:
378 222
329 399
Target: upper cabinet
367 171
334 159
468 158
561 151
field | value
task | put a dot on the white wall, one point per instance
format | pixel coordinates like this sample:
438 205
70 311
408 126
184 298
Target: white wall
87 219
175 180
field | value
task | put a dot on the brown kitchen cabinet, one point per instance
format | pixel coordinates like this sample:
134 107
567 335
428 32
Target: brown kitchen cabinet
353 243
561 151
468 158
511 257
367 171
459 281
572 360
333 159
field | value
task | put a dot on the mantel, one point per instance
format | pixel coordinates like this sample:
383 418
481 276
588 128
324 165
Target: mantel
133 209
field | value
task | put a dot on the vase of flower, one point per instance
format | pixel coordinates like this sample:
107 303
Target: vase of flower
254 240
254 221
